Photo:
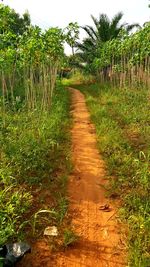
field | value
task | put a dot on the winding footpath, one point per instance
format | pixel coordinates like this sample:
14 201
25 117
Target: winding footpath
100 243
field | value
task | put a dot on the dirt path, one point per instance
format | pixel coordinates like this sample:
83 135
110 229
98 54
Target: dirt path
100 243
100 238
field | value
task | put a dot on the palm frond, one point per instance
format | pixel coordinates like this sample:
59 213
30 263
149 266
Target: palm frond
115 28
116 19
132 26
93 31
96 22
89 31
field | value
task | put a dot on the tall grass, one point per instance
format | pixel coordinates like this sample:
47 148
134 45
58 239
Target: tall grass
33 153
122 119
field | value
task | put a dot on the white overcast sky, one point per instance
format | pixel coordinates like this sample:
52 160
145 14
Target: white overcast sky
47 13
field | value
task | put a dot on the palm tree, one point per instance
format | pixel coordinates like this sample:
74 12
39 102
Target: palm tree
104 30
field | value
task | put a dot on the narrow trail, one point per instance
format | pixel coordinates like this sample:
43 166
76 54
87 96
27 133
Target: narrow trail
100 243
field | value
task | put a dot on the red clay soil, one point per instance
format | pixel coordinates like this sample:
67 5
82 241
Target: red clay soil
100 243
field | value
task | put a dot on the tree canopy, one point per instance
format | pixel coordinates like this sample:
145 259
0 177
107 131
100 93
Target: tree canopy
104 30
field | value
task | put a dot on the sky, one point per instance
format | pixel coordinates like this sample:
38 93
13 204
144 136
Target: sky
52 13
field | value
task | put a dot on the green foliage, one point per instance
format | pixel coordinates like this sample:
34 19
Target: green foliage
12 25
122 119
134 47
53 43
25 135
30 59
104 30
14 203
69 238
72 34
32 149
124 60
78 77
33 121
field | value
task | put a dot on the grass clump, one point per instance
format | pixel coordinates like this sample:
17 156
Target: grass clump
70 237
122 120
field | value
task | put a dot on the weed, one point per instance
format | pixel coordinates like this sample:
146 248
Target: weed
34 154
70 237
122 118
38 217
62 207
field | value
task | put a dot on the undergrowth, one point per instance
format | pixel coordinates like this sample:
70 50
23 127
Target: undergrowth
78 77
34 164
122 119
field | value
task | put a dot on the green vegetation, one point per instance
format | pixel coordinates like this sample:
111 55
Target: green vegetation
122 119
78 78
34 128
121 58
69 238
120 109
104 30
34 155
35 121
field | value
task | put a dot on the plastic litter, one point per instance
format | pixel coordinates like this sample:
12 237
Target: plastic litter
51 231
12 253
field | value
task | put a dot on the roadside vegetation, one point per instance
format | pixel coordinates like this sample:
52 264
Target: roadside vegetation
34 129
111 66
121 117
34 159
118 100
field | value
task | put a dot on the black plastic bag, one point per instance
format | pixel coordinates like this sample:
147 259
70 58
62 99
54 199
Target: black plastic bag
12 253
